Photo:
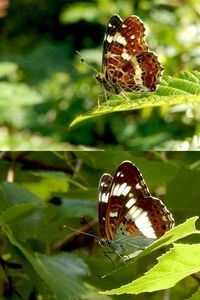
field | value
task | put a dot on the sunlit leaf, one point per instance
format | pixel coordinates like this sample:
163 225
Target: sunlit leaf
183 88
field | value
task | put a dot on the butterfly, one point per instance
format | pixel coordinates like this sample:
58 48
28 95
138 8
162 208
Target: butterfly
129 216
127 63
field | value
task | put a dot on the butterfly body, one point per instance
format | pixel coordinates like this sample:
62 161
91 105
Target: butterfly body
127 64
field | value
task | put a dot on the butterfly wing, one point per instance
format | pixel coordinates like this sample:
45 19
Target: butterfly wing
114 25
126 206
114 193
127 63
105 184
130 36
138 69
141 73
150 216
104 77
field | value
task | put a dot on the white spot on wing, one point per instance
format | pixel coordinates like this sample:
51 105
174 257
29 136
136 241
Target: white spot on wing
120 39
130 202
114 214
164 218
121 189
126 190
138 186
120 174
138 71
143 223
134 212
126 56
109 38
114 191
104 197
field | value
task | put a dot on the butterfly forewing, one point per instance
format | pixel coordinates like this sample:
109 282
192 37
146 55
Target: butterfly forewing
113 27
105 183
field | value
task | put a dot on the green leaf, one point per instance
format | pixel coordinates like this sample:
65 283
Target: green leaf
178 232
8 69
17 94
183 88
13 193
20 210
62 273
93 293
172 267
50 183
16 212
78 208
195 296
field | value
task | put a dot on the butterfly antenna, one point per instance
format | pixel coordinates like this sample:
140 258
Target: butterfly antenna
85 63
79 231
83 229
89 224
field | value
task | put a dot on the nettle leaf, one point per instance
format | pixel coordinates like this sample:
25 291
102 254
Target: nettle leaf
172 267
182 88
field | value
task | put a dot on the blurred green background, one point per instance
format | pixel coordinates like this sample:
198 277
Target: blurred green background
49 200
44 85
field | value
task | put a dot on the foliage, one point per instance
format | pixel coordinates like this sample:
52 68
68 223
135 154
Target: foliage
184 88
43 250
44 87
153 281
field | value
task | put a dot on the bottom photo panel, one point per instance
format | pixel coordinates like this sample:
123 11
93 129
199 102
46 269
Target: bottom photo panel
100 225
